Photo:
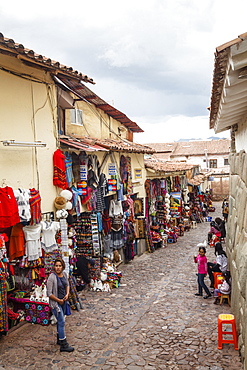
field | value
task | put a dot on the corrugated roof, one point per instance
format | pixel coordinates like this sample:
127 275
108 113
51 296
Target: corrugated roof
119 145
86 94
189 148
10 47
79 144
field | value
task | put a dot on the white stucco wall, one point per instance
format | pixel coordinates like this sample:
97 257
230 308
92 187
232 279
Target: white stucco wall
96 123
27 113
241 135
201 161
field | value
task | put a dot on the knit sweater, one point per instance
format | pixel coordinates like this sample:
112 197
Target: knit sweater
52 289
202 264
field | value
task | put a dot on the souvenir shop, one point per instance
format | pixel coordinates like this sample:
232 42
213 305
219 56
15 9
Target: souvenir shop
173 203
29 242
164 210
94 225
106 216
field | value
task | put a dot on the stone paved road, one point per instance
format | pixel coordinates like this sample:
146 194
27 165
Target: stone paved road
153 321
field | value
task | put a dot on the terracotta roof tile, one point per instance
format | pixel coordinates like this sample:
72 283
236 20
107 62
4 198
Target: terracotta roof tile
10 47
168 166
86 94
190 148
119 145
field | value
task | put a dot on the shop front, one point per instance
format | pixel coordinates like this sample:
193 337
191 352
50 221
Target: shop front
96 222
168 201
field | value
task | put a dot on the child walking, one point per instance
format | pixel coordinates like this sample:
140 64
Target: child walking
201 260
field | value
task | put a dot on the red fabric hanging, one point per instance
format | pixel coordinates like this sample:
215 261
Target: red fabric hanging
9 214
59 170
35 206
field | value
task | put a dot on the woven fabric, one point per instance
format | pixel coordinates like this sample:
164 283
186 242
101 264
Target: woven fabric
9 214
35 205
59 170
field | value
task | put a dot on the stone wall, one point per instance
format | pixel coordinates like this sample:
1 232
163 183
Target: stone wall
237 244
220 188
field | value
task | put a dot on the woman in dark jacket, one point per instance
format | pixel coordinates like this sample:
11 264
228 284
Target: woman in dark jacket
221 226
58 293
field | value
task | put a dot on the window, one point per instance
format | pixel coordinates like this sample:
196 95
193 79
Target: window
61 121
213 163
76 116
226 162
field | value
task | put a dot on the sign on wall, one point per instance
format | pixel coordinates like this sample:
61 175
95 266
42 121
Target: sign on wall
112 170
138 173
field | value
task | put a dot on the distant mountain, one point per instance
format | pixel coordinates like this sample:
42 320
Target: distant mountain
190 140
200 139
216 138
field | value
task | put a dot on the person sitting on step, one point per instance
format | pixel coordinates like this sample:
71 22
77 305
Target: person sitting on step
225 287
220 265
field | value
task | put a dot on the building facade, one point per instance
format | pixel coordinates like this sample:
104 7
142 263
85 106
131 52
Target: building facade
228 111
210 155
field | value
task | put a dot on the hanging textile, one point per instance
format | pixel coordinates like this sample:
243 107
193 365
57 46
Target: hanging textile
129 183
22 198
59 170
106 222
9 214
69 172
74 299
49 230
33 244
115 208
3 286
129 237
124 172
16 242
35 205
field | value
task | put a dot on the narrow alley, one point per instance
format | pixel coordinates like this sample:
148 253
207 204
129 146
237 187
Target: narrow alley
153 321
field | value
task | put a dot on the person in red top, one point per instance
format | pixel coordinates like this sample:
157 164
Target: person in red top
201 260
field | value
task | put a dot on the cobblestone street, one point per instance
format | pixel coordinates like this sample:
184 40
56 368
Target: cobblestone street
153 321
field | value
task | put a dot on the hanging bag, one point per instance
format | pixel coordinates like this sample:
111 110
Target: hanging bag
10 282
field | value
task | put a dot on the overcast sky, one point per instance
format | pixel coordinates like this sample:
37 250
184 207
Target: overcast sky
152 59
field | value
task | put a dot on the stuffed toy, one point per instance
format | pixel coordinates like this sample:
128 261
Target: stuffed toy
103 275
62 213
68 206
116 256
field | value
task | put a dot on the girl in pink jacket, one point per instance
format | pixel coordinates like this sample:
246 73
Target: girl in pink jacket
201 260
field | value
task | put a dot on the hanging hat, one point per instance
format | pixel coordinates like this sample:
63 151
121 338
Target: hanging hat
60 202
68 206
67 194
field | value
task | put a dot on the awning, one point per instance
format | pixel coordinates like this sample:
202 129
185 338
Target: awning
80 145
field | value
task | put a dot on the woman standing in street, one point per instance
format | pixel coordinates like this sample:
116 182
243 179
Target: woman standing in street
58 293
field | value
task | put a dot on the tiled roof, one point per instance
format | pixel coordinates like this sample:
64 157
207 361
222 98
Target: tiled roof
168 166
120 145
197 180
222 55
10 47
189 148
88 95
106 144
79 144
